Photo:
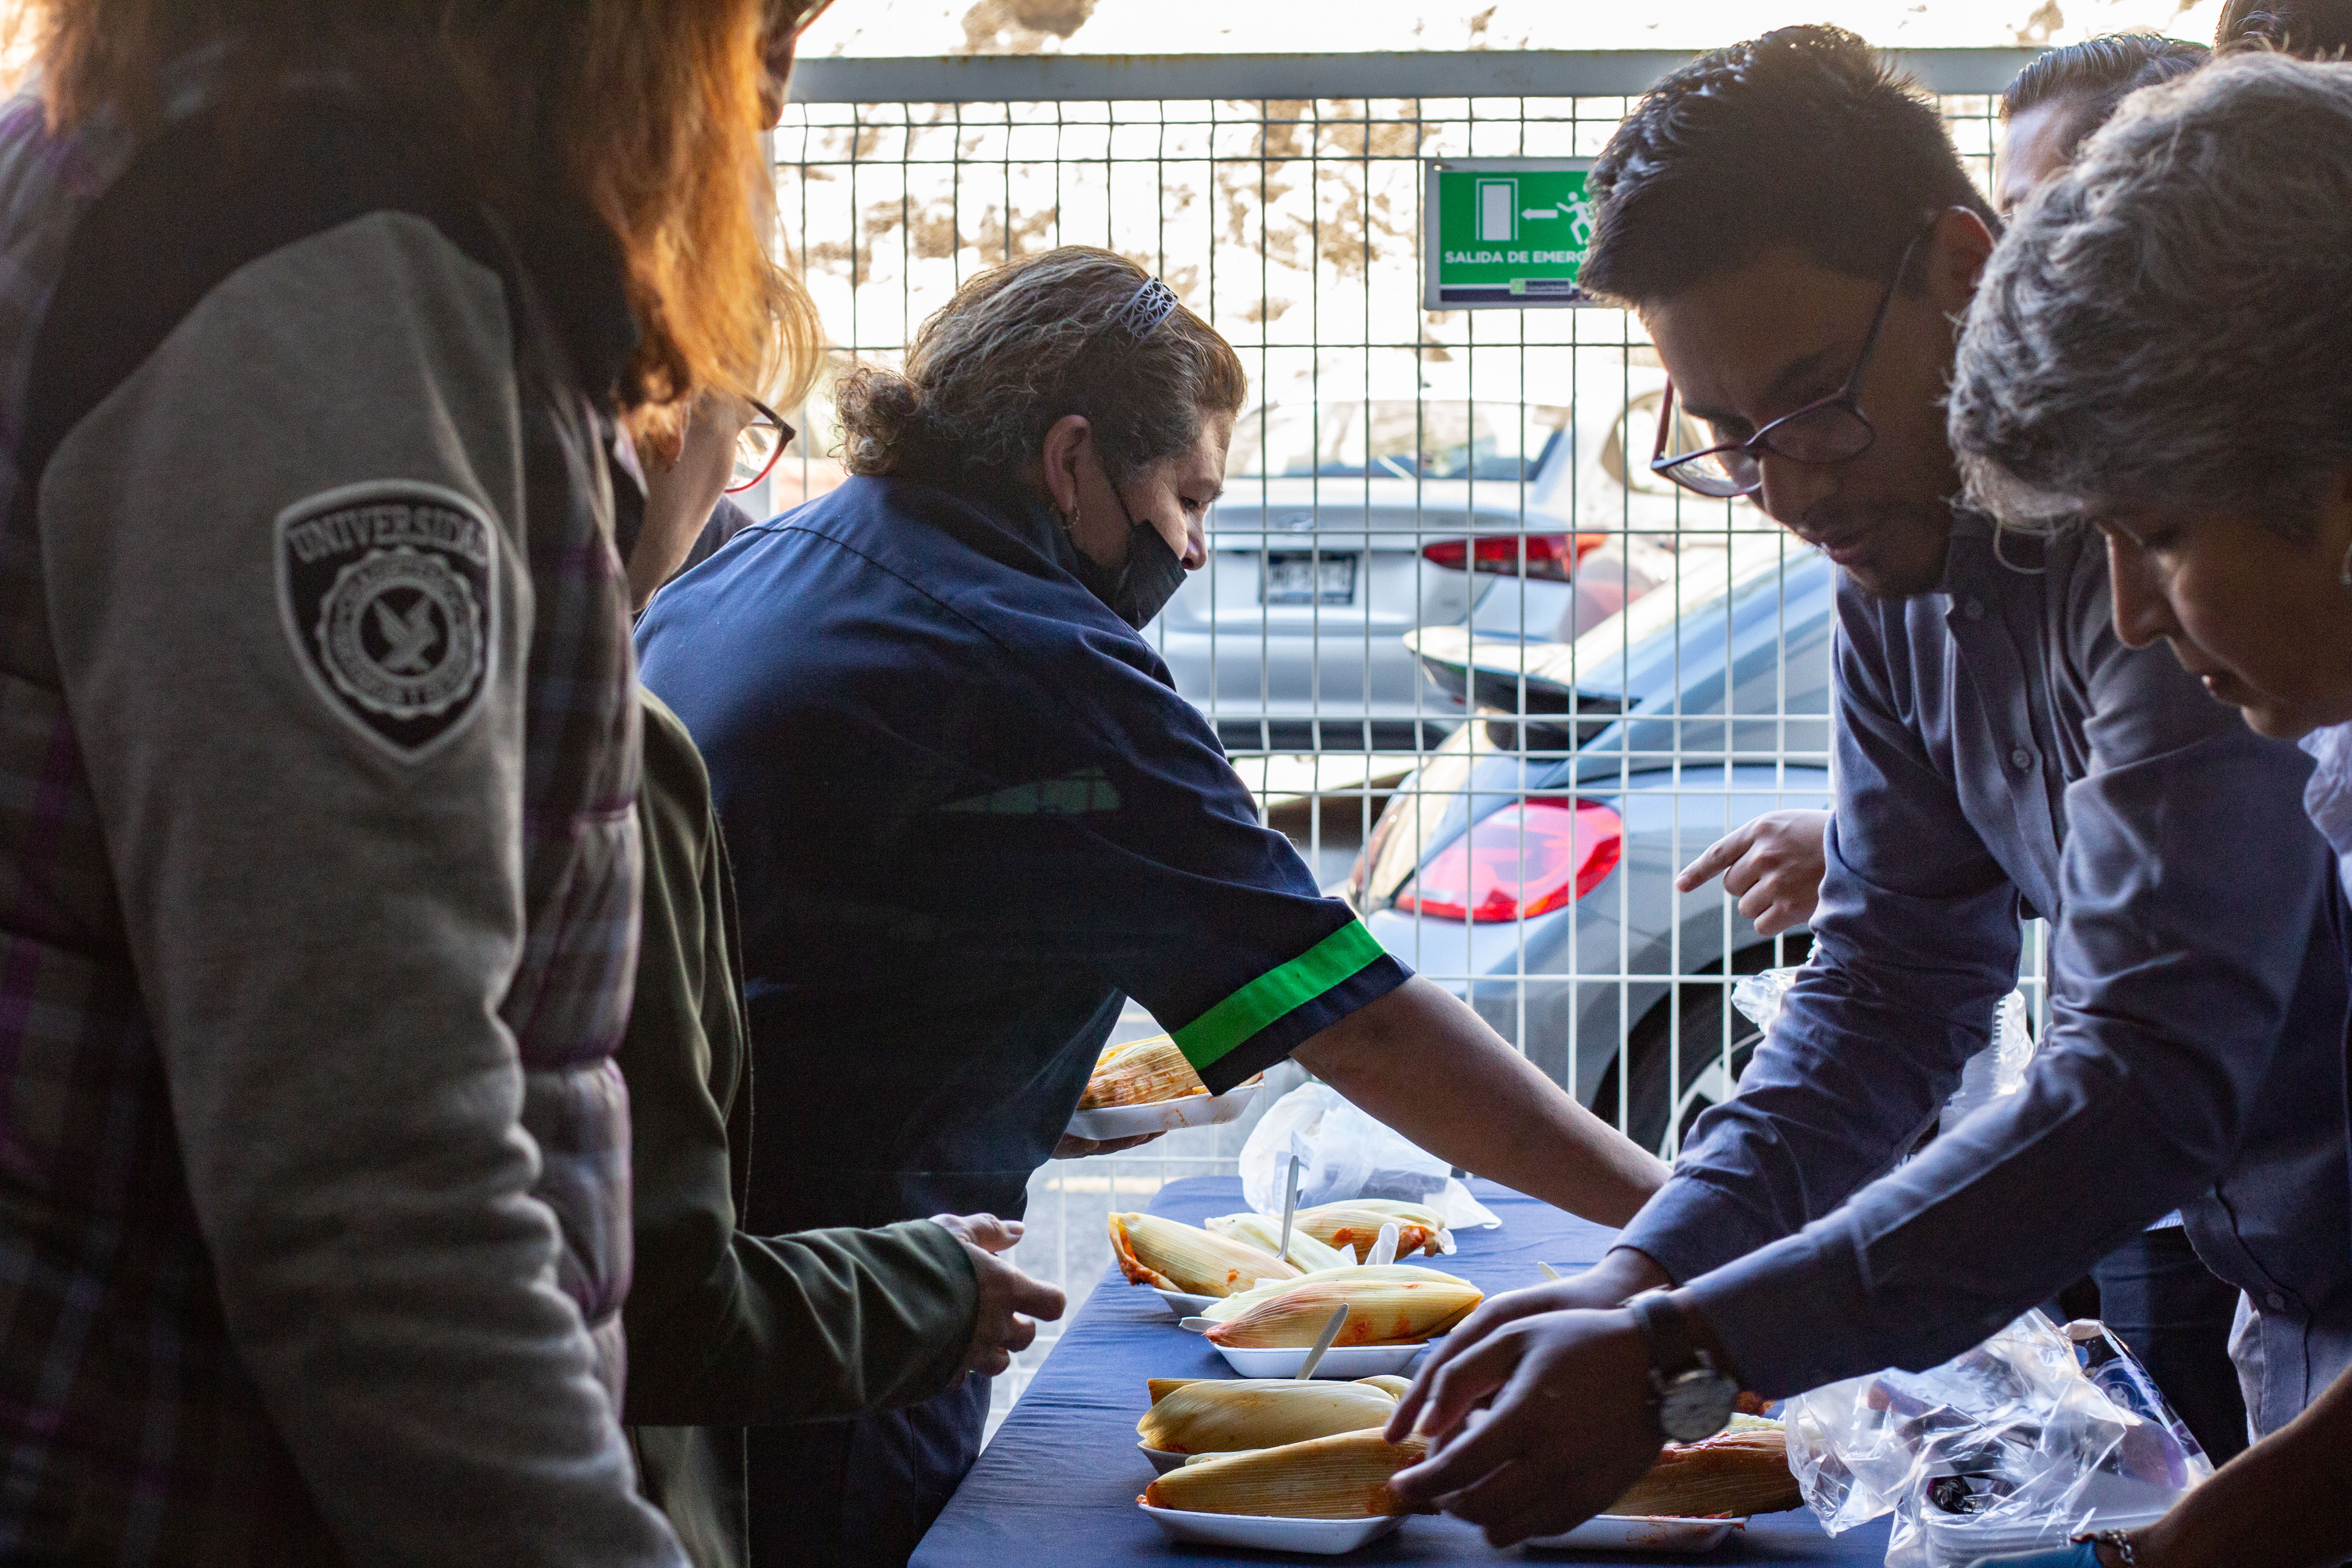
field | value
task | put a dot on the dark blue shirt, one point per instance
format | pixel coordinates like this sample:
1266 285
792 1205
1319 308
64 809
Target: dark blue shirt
969 816
1999 749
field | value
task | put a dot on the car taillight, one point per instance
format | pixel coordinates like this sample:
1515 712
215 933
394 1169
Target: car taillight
1552 557
1521 862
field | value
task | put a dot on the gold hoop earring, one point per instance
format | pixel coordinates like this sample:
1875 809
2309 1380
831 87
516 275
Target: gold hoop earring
1069 523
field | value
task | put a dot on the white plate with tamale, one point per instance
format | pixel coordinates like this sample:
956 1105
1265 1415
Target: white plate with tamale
1324 1495
1105 1123
1316 1537
1629 1533
1146 1086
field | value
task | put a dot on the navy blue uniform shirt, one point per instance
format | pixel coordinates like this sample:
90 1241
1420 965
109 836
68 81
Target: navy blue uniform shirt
969 816
1999 748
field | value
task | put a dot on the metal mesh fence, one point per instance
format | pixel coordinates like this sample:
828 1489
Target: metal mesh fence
1443 584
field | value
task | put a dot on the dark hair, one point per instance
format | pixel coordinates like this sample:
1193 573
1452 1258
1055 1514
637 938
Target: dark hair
2096 75
1801 138
1023 344
2314 29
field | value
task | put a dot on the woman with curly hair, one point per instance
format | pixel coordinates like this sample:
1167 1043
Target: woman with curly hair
971 816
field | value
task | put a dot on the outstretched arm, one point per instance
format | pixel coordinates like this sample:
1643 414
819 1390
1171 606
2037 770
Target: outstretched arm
1421 1061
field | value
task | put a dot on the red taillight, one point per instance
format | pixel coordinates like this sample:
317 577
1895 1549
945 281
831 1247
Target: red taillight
1548 555
1521 862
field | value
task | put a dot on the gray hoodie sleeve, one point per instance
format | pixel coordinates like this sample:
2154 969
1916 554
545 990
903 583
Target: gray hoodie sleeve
324 925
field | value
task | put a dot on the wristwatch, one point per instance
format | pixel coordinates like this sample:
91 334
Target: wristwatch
1691 1399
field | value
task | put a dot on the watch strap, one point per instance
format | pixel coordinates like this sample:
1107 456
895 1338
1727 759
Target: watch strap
1672 1347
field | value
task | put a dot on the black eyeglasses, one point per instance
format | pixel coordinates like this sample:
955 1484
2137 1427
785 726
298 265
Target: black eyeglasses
1827 430
758 447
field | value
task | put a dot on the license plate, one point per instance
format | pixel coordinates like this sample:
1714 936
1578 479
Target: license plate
1309 580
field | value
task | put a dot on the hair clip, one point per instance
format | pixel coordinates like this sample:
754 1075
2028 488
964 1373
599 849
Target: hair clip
1148 306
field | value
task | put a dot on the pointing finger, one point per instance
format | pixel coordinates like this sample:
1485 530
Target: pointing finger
1713 859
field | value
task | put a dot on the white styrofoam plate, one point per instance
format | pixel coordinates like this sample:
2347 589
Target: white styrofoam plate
1317 1537
1113 1121
1341 1361
1165 1460
1625 1533
1181 1306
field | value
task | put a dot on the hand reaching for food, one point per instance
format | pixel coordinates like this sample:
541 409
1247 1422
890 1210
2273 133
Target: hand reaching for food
1011 1302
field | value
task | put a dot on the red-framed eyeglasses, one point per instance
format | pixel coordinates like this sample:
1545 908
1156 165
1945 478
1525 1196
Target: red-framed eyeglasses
758 447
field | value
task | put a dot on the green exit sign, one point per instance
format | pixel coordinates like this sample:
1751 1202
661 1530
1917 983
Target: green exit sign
1504 232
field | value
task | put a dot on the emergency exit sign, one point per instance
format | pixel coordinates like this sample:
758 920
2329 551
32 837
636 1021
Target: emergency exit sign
1504 232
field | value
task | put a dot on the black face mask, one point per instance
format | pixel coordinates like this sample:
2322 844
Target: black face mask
1140 589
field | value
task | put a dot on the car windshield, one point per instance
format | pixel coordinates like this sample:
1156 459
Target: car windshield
1396 438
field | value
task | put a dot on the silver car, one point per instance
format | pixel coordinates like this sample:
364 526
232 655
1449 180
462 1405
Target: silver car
1528 866
1353 520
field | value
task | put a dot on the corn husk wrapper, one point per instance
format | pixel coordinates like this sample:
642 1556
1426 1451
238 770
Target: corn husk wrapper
1340 1477
1155 1251
1265 1235
1395 1385
1356 1224
1142 1072
1221 1416
1380 1312
1241 1301
1737 1472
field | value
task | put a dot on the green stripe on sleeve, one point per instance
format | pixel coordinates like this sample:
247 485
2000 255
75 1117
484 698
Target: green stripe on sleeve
1338 957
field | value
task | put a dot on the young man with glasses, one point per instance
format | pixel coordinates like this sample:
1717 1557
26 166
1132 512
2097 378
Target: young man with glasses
1799 237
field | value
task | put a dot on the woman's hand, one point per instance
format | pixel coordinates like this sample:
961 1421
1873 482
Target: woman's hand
1009 1302
1773 866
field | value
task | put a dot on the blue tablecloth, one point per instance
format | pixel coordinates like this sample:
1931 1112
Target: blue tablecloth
1058 1484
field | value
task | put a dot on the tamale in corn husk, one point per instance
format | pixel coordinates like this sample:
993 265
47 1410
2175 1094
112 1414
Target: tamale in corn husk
1383 1309
1340 1477
1219 1416
1141 1073
1175 1256
1265 1235
1356 1224
1737 1472
1241 1301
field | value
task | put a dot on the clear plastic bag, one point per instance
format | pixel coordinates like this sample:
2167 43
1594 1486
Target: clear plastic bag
1998 1069
2009 1447
1344 1153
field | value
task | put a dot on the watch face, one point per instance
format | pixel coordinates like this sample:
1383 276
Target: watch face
1696 1403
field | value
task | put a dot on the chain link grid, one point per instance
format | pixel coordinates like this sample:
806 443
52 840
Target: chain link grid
1293 226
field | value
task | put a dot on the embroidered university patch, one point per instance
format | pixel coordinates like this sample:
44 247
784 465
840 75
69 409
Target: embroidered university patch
388 593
